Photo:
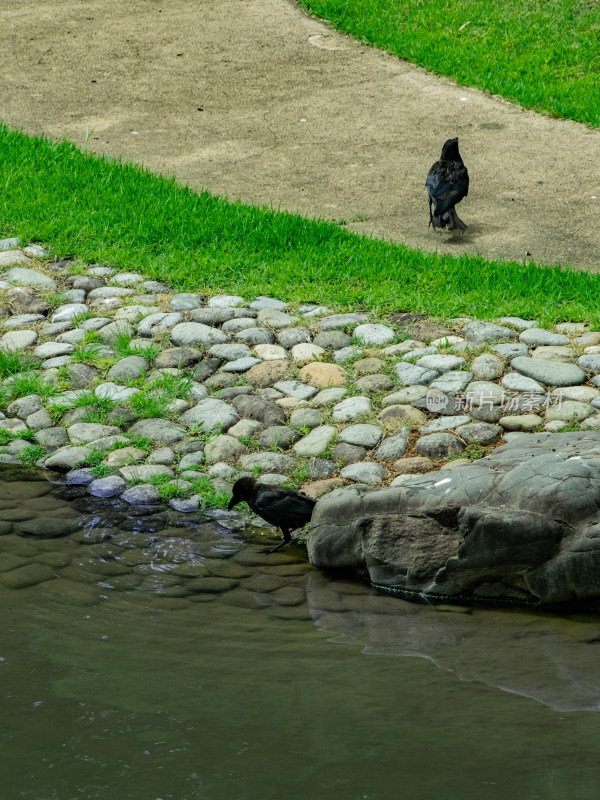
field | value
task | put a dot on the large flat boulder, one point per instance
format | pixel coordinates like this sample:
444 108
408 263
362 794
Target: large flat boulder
522 525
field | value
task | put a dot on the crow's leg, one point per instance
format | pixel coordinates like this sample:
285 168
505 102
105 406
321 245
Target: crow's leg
457 221
286 538
430 214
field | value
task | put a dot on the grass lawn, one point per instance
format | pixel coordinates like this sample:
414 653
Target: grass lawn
543 54
106 212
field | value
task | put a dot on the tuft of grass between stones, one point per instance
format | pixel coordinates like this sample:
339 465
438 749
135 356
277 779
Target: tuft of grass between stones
6 437
32 454
196 242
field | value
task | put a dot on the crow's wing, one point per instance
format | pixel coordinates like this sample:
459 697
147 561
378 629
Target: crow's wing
283 507
447 185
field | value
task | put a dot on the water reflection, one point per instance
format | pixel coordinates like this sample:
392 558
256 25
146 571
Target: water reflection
543 656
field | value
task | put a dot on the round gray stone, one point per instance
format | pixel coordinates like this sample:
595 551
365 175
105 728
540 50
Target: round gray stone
22 320
300 391
341 321
411 374
306 418
155 323
348 453
255 336
143 495
275 319
315 442
185 302
120 394
536 336
487 367
333 340
439 445
14 341
68 311
374 334
24 406
363 435
229 352
190 333
143 472
515 382
211 414
21 276
550 373
394 446
221 448
268 462
53 349
268 302
451 383
161 431
365 472
441 363
487 332
510 350
107 487
278 436
128 368
351 408
590 363
241 364
480 433
67 458
290 337
444 424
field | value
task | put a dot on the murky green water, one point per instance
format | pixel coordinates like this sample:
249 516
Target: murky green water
145 660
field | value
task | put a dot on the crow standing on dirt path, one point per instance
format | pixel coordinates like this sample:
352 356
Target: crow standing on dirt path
286 508
447 183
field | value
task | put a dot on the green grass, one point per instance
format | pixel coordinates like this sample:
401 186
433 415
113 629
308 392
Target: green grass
542 54
197 242
31 454
13 363
6 437
154 399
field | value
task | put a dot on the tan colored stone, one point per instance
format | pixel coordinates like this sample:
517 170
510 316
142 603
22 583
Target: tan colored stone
367 366
266 374
524 422
413 465
291 403
553 353
401 414
318 374
270 352
124 456
306 351
319 488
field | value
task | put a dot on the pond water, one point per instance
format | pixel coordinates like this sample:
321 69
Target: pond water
159 657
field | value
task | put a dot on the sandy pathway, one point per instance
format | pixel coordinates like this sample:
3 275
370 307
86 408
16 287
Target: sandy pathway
253 99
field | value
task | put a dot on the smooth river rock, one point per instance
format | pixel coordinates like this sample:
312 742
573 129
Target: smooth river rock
521 525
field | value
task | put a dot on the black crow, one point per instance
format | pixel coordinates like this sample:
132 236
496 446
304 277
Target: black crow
447 183
286 508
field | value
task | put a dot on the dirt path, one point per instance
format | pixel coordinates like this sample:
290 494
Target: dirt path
253 99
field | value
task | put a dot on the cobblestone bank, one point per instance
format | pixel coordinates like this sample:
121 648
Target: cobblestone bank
134 390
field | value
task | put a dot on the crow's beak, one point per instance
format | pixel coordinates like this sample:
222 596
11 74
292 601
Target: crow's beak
233 502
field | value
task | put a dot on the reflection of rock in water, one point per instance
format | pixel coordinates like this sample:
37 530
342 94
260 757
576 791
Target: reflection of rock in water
548 658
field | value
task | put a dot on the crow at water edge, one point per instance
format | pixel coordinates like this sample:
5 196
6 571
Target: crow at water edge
286 508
